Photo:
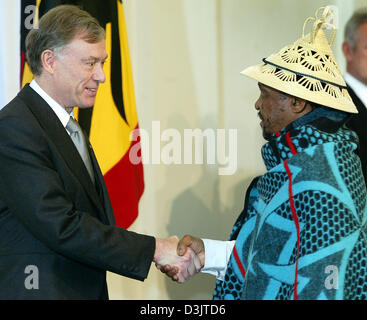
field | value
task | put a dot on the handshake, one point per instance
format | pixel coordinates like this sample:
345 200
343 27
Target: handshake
179 259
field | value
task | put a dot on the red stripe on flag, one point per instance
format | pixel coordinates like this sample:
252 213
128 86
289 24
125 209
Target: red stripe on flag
22 64
239 263
125 185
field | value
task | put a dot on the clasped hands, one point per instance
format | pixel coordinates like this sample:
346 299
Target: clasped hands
179 259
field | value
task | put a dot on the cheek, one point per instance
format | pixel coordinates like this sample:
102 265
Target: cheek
364 62
268 112
361 60
269 121
80 84
275 120
77 75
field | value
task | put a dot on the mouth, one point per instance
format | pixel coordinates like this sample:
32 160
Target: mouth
262 119
91 91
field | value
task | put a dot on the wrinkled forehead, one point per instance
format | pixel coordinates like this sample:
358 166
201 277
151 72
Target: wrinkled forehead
84 49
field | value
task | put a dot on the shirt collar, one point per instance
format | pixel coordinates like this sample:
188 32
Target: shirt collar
60 112
359 88
320 126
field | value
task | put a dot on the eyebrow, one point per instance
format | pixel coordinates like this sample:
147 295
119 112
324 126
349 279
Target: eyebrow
95 58
261 86
266 87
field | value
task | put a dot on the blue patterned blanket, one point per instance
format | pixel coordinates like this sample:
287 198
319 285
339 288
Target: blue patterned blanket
302 233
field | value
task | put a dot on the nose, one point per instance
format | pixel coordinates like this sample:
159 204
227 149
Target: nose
99 74
257 104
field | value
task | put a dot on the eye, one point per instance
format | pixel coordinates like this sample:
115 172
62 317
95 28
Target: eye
91 64
262 94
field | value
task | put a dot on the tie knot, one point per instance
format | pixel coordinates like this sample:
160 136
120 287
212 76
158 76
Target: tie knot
73 126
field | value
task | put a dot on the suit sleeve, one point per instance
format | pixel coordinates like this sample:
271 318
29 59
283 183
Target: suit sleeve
32 189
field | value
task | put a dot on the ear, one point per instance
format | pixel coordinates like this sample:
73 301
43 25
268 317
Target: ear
48 58
348 51
298 105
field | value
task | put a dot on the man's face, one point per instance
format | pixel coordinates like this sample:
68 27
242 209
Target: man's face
274 110
357 57
78 72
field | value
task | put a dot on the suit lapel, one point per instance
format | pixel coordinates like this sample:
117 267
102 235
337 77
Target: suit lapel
58 135
358 124
101 187
358 102
361 117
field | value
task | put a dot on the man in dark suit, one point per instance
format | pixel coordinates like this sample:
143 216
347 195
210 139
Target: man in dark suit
57 230
354 49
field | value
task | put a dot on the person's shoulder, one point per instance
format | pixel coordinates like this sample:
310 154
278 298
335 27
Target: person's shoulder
17 116
16 105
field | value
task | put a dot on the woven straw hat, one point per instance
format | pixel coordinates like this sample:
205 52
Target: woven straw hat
307 69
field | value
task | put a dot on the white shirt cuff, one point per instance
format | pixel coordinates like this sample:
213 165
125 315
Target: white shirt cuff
217 254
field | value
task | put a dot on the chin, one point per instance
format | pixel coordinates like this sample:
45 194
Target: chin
86 104
267 136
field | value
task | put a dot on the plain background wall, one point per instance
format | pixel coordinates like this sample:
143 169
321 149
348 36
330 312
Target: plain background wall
9 50
187 56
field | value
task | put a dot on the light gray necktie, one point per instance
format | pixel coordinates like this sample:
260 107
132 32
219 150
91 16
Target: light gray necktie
79 140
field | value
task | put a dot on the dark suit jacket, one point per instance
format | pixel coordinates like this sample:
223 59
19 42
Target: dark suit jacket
358 123
52 216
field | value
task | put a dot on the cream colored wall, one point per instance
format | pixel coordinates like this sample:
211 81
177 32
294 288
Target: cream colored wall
187 56
9 62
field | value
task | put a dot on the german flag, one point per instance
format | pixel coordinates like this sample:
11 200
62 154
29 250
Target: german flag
112 119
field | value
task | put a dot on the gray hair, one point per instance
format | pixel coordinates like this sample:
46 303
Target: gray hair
57 28
351 34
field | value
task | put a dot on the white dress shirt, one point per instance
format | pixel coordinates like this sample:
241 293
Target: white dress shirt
60 112
359 88
217 254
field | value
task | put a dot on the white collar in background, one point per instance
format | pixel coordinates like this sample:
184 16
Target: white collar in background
359 88
61 113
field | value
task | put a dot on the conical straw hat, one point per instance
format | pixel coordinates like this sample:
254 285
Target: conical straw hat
307 69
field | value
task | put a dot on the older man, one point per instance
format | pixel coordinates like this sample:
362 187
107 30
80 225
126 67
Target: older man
57 231
355 52
302 233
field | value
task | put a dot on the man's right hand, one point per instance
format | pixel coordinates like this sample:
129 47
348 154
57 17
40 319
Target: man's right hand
195 244
193 251
178 267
